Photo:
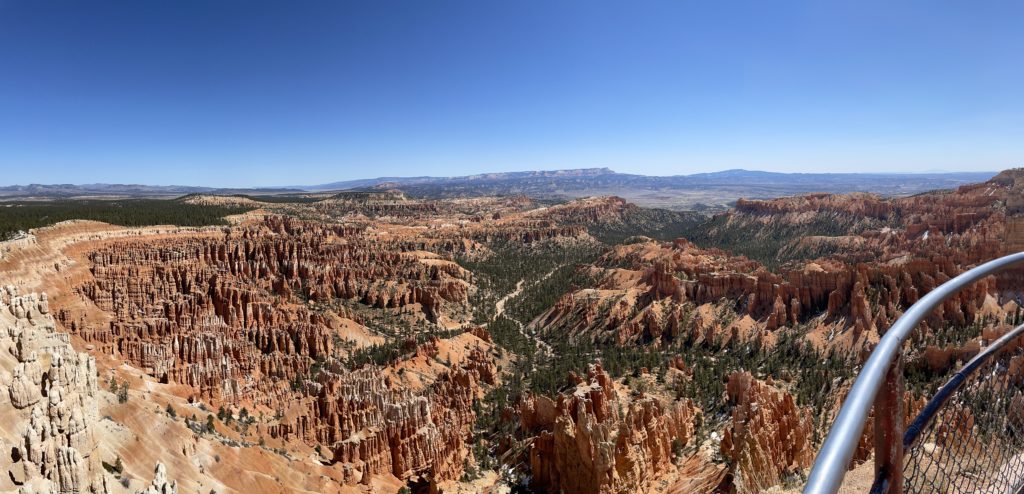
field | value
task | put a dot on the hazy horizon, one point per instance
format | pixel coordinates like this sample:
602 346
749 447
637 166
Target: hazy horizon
368 178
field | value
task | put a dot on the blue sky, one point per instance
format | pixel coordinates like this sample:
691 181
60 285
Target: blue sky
245 93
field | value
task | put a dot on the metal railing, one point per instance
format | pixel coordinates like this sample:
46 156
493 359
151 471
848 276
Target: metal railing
880 384
968 437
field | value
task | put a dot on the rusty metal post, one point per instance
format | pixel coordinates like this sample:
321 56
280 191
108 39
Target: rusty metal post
889 428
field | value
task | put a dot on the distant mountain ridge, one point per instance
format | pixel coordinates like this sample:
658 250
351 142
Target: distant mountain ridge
372 182
700 191
606 175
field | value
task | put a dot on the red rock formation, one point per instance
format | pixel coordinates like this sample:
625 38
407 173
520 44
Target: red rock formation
769 437
595 440
181 306
866 296
227 316
375 426
592 210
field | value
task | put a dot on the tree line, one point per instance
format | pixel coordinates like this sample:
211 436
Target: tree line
20 216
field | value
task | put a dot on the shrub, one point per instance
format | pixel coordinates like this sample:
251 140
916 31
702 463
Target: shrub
116 469
122 392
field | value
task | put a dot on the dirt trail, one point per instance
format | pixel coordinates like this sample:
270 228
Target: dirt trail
500 305
500 309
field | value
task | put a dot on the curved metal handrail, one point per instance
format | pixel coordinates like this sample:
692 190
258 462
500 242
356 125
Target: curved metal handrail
837 451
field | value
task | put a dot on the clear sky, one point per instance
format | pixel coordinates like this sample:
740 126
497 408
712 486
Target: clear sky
245 93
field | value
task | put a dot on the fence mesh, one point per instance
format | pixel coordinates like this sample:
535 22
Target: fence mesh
975 442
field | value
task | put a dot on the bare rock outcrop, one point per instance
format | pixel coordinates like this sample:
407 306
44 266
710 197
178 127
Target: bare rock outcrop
597 440
376 426
53 390
160 483
769 437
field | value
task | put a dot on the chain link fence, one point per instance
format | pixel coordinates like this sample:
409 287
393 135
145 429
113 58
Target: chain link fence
970 437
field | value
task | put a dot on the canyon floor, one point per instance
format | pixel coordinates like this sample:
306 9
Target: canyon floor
373 342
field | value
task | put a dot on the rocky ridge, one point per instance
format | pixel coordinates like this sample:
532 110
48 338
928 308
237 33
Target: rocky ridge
596 439
51 392
904 248
769 438
51 410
